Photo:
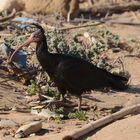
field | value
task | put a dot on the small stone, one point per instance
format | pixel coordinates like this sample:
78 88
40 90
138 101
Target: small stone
28 129
33 134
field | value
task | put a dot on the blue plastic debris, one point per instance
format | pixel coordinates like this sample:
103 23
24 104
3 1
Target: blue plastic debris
20 57
23 19
21 60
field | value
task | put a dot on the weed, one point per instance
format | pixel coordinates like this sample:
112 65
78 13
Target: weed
59 110
104 40
32 88
52 92
58 119
77 115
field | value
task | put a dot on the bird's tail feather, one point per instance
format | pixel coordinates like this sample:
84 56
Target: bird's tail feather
118 82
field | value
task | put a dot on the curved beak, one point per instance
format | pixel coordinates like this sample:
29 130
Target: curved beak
26 44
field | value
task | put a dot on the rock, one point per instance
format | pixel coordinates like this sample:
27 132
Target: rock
53 7
63 7
28 129
45 113
9 5
8 124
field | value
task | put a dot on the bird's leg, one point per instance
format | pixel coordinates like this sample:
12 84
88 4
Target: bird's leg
79 103
68 16
63 92
63 98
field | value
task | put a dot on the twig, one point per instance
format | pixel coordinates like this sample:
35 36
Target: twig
47 97
131 55
119 60
101 122
79 26
7 35
18 76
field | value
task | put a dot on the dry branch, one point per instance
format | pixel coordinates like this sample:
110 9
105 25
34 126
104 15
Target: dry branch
80 26
21 75
101 122
12 15
103 9
96 23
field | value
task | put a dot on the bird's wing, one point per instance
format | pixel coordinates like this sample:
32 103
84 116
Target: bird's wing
80 74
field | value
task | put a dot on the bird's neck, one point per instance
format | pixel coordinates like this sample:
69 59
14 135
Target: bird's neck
42 46
43 55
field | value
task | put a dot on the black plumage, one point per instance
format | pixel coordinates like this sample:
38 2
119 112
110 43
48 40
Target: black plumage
71 73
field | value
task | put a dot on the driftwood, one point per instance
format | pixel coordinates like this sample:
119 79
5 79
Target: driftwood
101 122
12 15
103 9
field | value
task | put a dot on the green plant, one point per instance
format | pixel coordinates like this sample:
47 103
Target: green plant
58 119
78 115
52 92
104 40
59 110
32 88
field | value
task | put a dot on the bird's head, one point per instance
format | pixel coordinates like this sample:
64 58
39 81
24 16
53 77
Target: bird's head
36 37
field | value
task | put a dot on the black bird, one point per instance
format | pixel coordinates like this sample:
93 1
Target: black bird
69 73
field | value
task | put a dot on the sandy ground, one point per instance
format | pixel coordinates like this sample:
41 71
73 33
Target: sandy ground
125 129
